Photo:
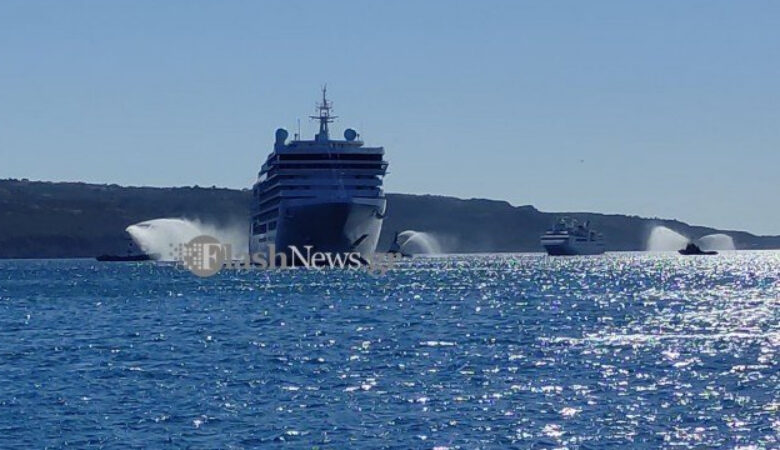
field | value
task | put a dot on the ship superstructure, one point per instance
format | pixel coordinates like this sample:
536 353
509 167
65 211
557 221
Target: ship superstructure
324 193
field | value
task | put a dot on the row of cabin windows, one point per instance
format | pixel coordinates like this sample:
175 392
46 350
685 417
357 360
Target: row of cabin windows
262 197
266 216
312 176
330 156
276 200
319 164
309 176
268 203
260 228
318 187
345 166
270 198
273 176
327 172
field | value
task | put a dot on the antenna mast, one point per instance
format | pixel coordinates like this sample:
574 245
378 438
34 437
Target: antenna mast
324 115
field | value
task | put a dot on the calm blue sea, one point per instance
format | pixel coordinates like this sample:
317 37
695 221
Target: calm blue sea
624 350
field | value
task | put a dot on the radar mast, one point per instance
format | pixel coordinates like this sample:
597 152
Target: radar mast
324 116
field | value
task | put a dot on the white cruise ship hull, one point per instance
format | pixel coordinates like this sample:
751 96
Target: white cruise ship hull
570 247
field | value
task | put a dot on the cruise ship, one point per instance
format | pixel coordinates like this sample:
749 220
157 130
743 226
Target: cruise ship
568 237
325 193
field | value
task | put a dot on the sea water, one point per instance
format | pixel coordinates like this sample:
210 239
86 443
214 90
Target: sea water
489 351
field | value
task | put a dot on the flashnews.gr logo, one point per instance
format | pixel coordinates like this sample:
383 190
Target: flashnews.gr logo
205 256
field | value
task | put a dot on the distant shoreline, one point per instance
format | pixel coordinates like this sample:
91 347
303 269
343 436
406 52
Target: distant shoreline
45 220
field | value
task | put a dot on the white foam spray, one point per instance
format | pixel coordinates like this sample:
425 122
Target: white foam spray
161 236
418 242
663 239
717 241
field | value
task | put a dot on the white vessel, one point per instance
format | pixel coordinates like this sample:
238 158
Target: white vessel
324 192
568 237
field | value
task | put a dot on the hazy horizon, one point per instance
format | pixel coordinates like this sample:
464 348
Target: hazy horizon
662 109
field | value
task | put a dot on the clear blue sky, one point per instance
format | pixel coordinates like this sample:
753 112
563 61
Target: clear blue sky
662 108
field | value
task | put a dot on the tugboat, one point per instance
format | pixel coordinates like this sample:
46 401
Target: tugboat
395 248
123 258
693 249
567 237
133 254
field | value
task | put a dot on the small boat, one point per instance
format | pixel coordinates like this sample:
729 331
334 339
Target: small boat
395 248
693 249
132 254
124 258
